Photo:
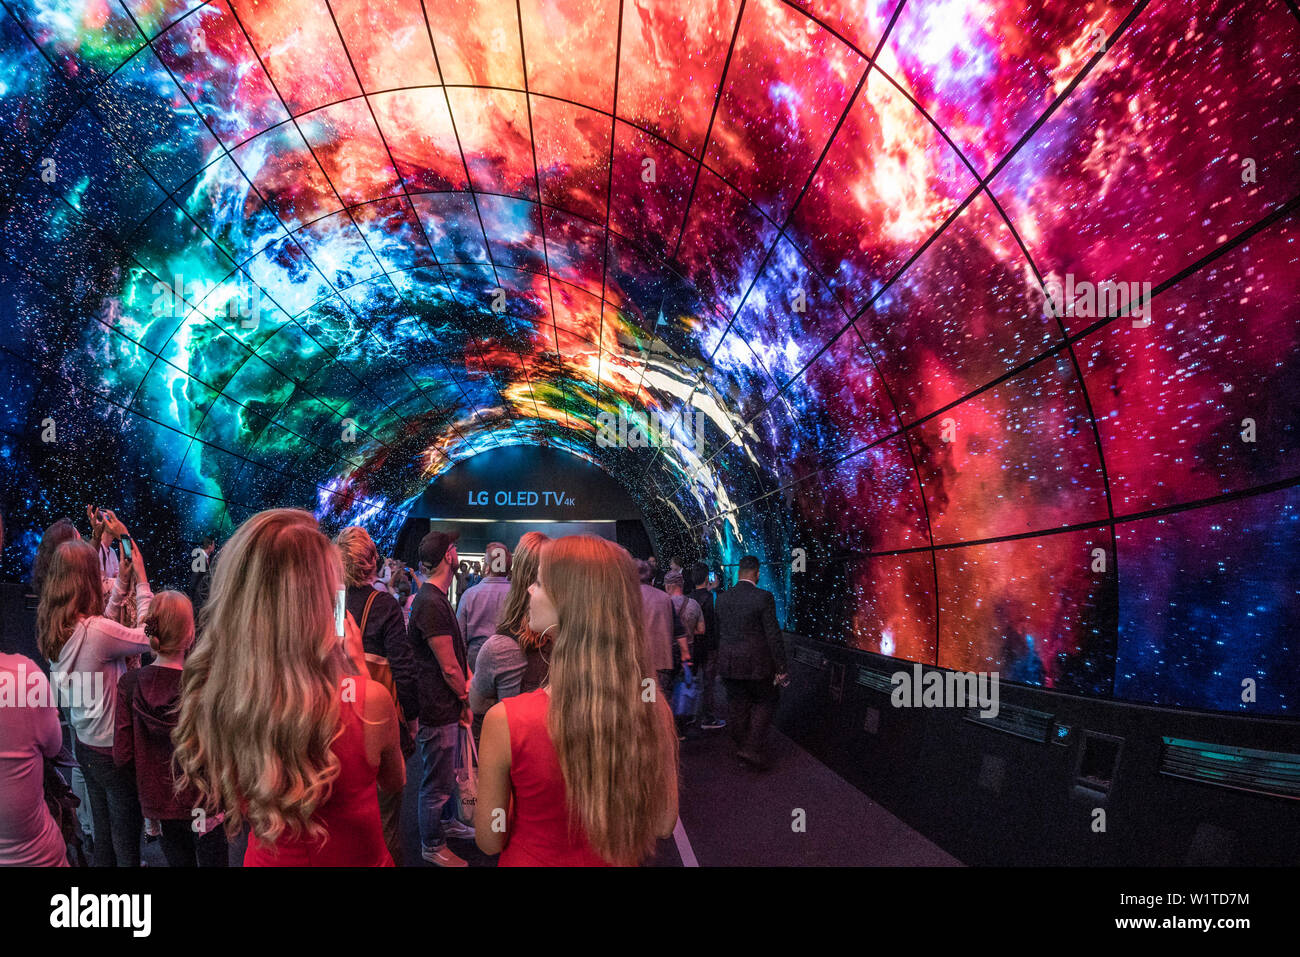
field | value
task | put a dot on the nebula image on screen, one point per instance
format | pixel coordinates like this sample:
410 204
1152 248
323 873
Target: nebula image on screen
989 309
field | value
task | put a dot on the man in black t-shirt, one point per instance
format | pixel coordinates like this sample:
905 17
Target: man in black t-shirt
706 647
442 674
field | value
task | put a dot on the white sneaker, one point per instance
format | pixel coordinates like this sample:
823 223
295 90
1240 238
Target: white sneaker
455 828
443 857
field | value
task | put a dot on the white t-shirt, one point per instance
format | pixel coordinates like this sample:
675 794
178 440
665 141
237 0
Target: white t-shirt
108 561
92 662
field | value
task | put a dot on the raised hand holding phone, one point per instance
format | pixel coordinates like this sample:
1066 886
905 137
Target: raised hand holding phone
113 525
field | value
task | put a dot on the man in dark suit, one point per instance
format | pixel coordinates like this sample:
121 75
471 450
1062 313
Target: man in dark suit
751 661
656 579
201 574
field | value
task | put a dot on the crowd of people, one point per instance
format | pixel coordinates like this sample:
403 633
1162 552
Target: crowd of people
565 671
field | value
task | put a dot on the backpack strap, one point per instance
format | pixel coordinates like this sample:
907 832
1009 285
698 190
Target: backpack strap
374 593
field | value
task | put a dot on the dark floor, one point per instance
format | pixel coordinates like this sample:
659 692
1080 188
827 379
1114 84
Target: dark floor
411 828
735 816
731 815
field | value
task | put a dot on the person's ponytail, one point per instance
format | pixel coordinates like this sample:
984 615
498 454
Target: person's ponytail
170 623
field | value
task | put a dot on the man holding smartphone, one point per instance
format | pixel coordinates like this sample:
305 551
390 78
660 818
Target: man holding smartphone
102 536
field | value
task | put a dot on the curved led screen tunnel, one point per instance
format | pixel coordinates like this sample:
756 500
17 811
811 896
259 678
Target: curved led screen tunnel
975 320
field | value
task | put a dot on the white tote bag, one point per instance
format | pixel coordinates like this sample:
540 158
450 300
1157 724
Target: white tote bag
467 778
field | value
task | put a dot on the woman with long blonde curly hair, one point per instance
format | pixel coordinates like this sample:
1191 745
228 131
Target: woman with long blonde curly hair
582 772
279 725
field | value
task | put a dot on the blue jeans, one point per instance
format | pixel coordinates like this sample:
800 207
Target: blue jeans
438 752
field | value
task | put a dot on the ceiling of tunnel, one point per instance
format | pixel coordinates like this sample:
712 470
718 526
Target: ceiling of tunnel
315 251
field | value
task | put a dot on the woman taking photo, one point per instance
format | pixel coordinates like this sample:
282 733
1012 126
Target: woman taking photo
582 772
88 652
278 726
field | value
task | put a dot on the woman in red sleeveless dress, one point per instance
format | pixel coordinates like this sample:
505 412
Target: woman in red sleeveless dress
582 772
539 834
349 816
280 726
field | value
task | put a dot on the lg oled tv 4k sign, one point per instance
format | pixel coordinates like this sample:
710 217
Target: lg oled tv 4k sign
520 498
520 482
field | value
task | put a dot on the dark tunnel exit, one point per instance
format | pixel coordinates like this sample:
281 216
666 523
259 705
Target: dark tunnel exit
502 493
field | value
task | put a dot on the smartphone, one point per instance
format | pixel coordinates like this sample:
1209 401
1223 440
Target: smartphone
340 612
126 548
713 578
